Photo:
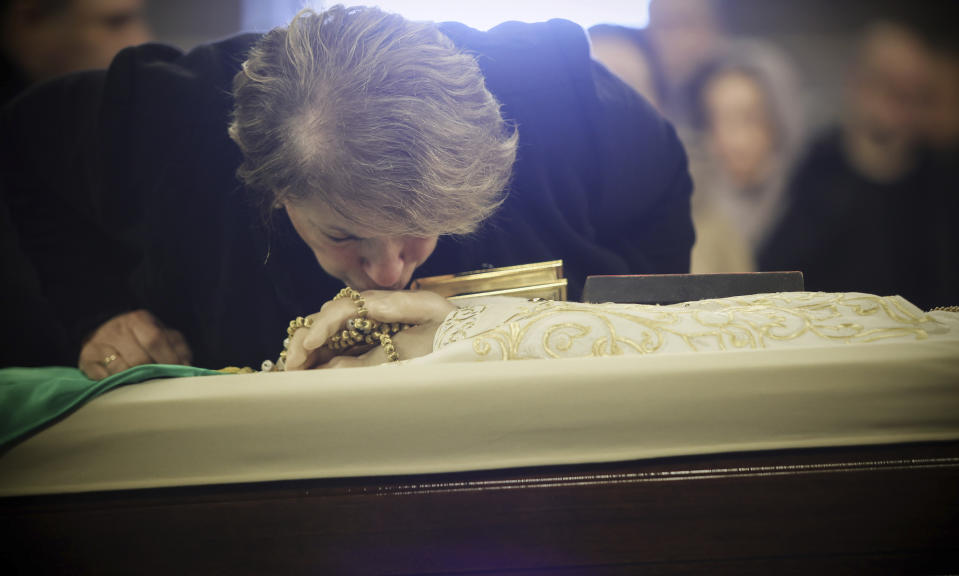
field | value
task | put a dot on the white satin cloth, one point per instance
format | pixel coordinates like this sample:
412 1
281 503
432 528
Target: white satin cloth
762 372
501 328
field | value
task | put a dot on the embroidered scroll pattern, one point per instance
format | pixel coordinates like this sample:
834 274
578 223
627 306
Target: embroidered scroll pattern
569 329
457 325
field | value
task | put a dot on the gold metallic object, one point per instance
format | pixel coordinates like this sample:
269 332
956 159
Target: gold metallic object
355 296
297 323
236 370
387 343
537 280
109 359
360 331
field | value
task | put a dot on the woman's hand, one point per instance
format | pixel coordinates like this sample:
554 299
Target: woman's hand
129 340
425 310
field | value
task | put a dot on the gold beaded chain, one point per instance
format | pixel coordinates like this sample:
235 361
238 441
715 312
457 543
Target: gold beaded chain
295 324
361 331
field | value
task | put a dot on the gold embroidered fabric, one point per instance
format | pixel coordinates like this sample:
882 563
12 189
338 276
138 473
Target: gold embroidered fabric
771 372
512 328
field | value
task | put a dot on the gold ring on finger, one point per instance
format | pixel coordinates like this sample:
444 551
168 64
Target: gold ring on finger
109 359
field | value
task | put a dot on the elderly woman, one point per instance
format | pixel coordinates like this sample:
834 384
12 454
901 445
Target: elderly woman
221 193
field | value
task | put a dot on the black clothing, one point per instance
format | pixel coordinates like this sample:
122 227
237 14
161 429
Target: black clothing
848 233
12 80
600 181
33 334
48 242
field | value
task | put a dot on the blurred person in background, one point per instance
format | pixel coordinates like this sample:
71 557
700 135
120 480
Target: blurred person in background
941 115
627 53
865 207
39 40
42 39
941 133
685 35
746 106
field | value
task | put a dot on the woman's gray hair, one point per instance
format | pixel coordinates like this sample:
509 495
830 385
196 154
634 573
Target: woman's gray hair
383 119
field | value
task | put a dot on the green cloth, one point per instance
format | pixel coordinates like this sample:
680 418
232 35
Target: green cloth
31 398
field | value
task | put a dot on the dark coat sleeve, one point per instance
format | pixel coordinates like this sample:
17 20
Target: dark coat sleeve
33 334
70 272
110 177
644 210
600 181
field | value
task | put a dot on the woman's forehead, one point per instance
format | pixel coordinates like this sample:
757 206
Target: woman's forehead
321 215
318 215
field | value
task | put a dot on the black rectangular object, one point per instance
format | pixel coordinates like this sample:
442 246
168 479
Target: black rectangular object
674 288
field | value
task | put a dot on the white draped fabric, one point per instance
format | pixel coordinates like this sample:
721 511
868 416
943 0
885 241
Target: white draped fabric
739 374
501 328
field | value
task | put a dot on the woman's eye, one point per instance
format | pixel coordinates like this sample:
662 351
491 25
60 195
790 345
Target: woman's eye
340 239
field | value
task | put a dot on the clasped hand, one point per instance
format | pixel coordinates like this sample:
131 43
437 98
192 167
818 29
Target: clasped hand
425 310
131 339
138 337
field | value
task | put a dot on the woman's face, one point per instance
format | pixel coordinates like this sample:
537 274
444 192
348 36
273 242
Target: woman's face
362 260
741 132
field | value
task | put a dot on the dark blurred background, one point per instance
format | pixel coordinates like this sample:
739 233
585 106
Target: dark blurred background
822 134
817 34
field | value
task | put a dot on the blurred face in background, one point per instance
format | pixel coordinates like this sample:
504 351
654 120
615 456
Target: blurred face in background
941 115
685 34
889 88
741 132
50 37
626 60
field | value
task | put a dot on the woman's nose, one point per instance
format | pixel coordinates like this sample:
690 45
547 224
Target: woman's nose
383 261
